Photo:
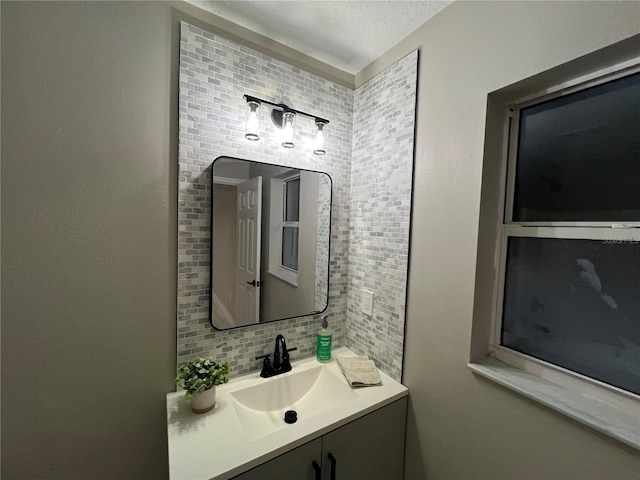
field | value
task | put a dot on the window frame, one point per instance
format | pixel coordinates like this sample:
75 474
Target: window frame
289 223
277 225
614 231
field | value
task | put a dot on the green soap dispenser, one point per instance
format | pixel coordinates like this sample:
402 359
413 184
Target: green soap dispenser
323 341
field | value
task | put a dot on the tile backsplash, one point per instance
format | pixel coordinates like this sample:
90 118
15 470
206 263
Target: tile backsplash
380 208
215 73
371 193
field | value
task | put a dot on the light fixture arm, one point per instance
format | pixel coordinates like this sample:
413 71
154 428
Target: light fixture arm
284 108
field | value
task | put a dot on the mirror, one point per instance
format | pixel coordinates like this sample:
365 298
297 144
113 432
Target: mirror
270 232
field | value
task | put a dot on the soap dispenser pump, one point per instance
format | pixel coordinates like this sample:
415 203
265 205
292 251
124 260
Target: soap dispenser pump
323 341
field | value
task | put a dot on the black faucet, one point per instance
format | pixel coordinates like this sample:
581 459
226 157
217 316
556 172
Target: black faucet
278 364
281 363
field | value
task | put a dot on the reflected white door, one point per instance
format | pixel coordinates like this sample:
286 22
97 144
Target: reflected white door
248 261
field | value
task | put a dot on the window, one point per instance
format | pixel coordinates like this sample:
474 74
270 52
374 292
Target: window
576 156
575 303
567 296
569 287
290 223
285 227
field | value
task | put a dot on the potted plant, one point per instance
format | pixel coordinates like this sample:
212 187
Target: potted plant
199 378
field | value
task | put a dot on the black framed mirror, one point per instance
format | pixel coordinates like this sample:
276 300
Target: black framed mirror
270 242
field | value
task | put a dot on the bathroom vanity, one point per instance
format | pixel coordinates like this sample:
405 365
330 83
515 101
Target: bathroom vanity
340 433
370 447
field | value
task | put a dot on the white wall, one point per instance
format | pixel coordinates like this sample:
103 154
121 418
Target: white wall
89 222
461 426
88 240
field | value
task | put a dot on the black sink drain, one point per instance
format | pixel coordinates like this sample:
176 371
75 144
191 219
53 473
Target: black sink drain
290 416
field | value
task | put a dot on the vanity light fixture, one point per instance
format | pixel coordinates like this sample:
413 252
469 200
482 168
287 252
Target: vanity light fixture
284 118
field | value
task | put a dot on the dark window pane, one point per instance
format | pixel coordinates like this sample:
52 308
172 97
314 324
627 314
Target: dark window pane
292 200
579 156
290 247
576 304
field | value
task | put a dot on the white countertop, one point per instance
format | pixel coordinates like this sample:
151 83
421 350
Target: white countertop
215 446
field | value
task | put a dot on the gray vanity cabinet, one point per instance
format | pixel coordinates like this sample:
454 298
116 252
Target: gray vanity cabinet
371 448
294 465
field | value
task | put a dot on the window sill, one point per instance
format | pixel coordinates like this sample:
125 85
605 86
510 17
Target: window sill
291 279
620 424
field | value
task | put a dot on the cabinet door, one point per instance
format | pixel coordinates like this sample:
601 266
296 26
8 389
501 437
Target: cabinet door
370 448
294 465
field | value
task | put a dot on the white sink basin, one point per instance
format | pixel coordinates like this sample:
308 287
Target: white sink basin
260 407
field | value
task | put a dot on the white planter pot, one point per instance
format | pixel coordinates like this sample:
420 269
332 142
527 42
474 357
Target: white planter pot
203 402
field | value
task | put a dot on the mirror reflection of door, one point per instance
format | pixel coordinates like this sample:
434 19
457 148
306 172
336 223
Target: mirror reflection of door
249 215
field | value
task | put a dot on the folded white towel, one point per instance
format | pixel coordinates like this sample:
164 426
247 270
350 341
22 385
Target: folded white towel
359 371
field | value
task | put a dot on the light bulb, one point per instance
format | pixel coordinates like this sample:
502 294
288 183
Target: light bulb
253 123
319 145
288 131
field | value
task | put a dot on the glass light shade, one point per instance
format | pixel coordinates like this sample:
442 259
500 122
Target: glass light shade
288 129
252 131
319 145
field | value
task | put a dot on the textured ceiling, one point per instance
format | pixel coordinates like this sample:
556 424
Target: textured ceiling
347 35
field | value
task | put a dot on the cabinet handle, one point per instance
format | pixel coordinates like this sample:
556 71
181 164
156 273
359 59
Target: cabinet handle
317 469
333 461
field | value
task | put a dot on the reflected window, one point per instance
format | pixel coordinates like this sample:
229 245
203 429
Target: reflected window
291 200
290 222
290 248
285 226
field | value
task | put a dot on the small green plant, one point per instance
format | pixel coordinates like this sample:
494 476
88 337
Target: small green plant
201 374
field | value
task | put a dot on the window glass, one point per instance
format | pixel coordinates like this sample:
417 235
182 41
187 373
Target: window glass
578 156
292 200
576 304
290 247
